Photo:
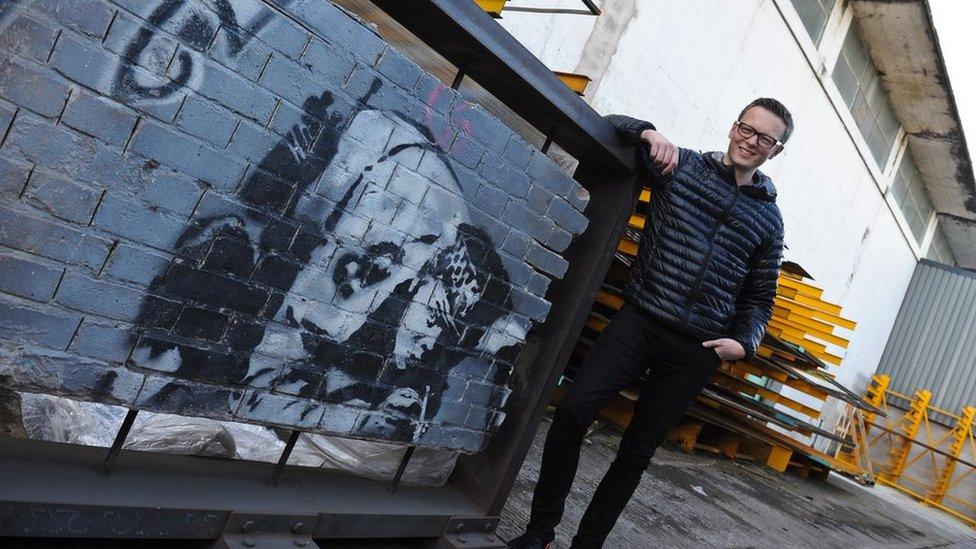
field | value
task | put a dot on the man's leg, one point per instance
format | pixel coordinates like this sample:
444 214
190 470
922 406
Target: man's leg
676 378
618 356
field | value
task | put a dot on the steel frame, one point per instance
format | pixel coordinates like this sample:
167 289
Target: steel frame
56 491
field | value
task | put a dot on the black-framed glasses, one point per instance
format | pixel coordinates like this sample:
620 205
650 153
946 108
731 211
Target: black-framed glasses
765 141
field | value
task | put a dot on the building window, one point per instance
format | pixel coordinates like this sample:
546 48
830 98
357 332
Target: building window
911 196
939 249
859 85
814 14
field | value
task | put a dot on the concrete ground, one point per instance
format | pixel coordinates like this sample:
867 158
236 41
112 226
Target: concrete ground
699 500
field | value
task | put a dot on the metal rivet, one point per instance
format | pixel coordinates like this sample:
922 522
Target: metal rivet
298 527
301 542
247 543
462 539
459 528
489 527
247 527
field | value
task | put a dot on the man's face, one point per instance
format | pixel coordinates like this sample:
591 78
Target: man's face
748 153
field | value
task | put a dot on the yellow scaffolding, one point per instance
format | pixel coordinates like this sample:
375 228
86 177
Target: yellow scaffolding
909 439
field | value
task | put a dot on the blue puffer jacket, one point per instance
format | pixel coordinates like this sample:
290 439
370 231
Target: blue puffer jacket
709 258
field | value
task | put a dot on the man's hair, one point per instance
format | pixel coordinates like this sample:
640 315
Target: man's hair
776 108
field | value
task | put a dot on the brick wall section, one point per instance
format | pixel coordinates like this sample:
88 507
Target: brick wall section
263 212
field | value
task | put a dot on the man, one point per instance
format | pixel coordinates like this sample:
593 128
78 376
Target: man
700 292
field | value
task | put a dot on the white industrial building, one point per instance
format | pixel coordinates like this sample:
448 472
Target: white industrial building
876 176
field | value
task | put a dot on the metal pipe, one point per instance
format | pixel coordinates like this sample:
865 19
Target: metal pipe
548 143
594 9
113 452
400 470
280 466
458 77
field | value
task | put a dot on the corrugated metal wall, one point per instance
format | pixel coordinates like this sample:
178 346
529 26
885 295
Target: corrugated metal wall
933 342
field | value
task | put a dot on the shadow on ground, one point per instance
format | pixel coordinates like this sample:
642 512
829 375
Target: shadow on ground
698 500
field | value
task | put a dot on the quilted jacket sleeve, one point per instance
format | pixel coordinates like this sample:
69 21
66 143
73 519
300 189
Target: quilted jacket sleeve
754 305
629 129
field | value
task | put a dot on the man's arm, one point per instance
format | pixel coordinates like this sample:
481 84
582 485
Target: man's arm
658 154
754 305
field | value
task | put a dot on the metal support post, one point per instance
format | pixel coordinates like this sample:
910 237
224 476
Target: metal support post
961 432
280 466
908 426
113 452
400 470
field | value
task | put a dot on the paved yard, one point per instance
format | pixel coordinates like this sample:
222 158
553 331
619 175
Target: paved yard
699 500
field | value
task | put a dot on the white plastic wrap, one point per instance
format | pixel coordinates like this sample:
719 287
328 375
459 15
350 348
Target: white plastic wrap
63 420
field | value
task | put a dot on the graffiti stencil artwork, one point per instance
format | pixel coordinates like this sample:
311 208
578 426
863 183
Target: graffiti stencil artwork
362 278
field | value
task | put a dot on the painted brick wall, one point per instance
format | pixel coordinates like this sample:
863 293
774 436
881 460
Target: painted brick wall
260 211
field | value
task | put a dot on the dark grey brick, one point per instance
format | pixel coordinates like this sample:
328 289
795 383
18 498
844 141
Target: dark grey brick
90 17
7 112
28 37
252 142
108 342
516 243
519 273
333 24
99 117
546 260
513 180
30 88
248 62
13 176
325 62
84 63
531 306
519 217
61 197
285 36
174 193
456 438
296 83
495 228
538 198
53 240
152 140
543 229
467 151
277 409
487 129
579 197
48 371
154 57
518 151
398 69
538 284
544 170
36 140
206 120
99 297
558 240
136 265
232 91
435 94
367 86
567 216
27 276
24 322
491 200
189 398
134 221
155 141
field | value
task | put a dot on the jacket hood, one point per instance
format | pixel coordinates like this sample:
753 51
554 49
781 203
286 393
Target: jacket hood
762 187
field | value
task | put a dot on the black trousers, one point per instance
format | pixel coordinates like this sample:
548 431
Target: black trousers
632 342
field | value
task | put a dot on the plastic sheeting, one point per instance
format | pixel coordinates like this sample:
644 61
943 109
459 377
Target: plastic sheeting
59 419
